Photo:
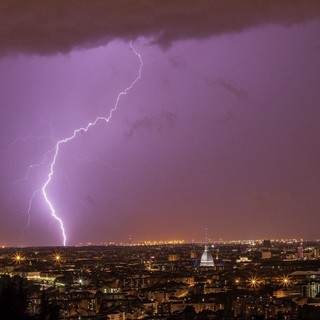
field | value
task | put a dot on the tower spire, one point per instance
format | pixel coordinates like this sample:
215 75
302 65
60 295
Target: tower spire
206 236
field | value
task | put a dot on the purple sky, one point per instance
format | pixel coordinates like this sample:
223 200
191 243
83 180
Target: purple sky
222 130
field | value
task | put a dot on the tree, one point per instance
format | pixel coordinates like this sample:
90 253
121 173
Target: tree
13 298
48 310
188 313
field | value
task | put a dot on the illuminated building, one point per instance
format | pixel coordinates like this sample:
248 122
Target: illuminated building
266 255
173 257
206 258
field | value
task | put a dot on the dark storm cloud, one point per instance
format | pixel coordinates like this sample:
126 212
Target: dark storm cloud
158 123
178 62
47 27
231 87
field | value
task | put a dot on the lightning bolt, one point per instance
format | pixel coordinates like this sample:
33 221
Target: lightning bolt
61 142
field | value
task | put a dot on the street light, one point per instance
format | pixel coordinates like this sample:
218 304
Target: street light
285 281
57 258
18 258
254 282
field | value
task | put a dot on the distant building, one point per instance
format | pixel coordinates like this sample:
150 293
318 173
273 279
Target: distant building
266 243
243 260
193 254
300 252
114 315
308 281
265 255
206 258
173 257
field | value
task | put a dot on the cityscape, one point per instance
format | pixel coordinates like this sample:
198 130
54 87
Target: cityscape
140 140
263 279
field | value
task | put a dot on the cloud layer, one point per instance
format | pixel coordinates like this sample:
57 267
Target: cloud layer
49 27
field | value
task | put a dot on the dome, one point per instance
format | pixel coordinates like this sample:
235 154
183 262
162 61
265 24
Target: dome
206 258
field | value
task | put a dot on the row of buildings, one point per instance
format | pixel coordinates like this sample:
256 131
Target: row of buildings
240 280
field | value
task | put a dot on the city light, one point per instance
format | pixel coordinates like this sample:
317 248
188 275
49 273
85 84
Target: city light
285 281
254 282
57 258
18 258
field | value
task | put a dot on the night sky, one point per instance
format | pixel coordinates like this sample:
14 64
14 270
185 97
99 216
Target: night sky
221 132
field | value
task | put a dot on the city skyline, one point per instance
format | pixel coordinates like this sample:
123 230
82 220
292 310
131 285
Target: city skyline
220 131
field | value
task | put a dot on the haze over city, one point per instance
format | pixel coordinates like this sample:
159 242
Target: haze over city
221 132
